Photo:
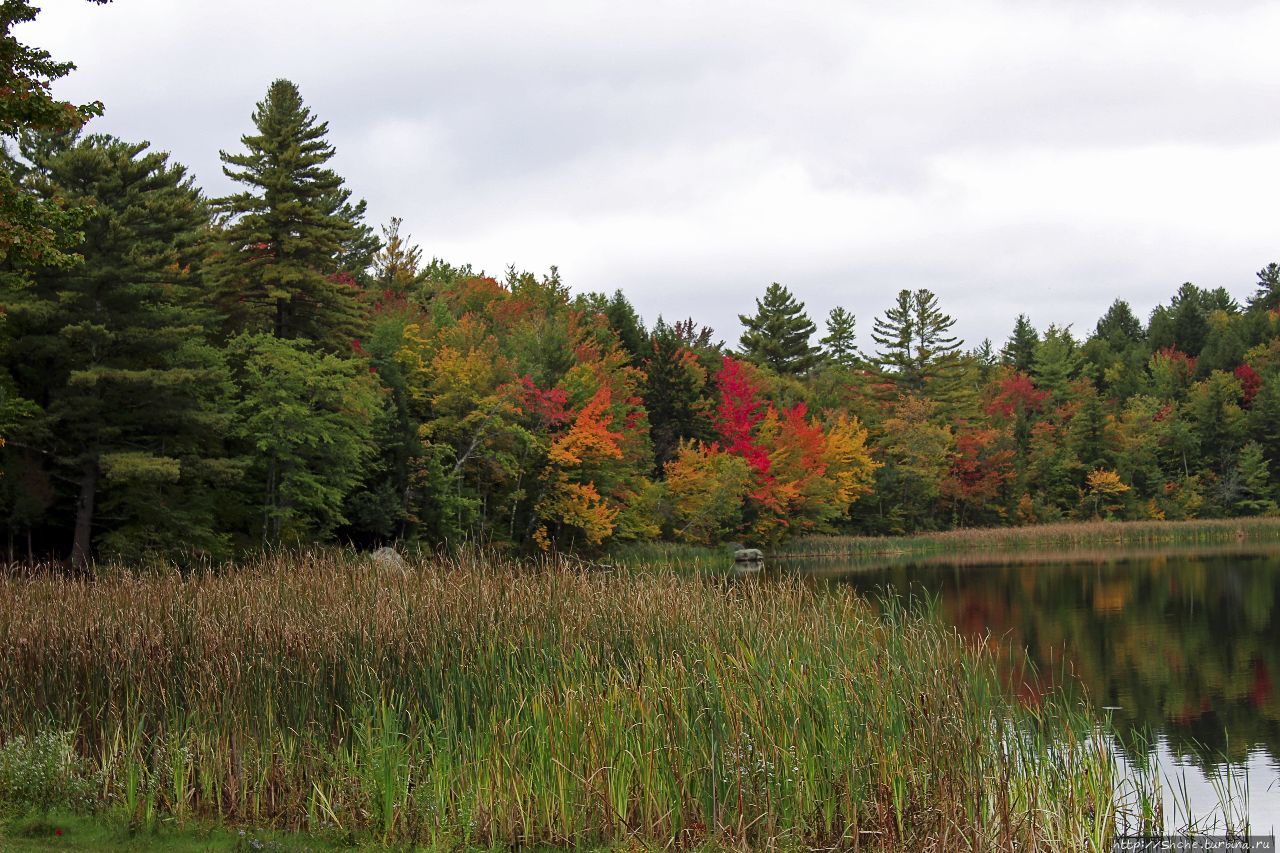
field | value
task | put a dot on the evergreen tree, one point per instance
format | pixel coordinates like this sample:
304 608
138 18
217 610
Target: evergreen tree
1115 356
1253 480
1267 296
114 351
294 246
1056 361
624 322
838 345
916 347
396 264
1020 350
1119 326
676 395
1184 323
778 334
34 230
984 358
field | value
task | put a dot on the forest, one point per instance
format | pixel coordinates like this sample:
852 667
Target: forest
192 377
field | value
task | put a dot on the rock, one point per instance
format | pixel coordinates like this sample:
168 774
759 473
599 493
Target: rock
387 558
747 561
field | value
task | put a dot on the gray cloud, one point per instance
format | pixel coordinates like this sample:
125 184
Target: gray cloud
1015 157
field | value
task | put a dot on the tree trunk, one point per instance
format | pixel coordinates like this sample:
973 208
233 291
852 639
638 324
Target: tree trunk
82 547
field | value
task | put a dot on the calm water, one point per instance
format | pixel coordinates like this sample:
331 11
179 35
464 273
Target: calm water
1180 647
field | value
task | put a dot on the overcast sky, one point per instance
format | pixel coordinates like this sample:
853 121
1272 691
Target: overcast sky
1037 157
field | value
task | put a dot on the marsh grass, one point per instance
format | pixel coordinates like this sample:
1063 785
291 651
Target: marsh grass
1055 538
479 701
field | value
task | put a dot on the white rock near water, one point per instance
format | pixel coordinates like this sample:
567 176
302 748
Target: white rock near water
747 561
387 557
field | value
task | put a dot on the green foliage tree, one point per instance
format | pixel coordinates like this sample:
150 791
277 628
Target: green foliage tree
305 420
1115 355
839 344
1056 362
115 351
1020 350
916 347
778 334
677 395
35 230
294 246
1256 495
1267 296
915 449
1184 323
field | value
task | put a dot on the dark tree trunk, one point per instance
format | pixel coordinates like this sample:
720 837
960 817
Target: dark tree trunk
82 547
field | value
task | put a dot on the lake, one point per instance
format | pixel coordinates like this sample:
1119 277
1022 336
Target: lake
1179 648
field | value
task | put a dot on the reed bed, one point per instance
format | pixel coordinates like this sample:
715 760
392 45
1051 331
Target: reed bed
479 701
1066 536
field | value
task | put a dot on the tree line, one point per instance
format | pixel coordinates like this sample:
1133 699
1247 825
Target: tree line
184 375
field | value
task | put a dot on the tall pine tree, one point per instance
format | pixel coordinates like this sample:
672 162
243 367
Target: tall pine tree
1020 350
778 333
294 249
916 347
114 351
839 342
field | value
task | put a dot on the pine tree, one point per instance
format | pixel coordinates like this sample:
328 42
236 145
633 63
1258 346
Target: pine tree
1020 350
1056 361
778 334
1253 479
114 350
294 246
1119 326
396 264
916 347
34 230
838 345
1267 296
676 395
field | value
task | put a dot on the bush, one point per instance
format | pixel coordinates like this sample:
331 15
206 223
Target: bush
42 772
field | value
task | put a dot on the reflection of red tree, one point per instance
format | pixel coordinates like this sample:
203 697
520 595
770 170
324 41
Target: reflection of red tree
1261 689
984 617
979 613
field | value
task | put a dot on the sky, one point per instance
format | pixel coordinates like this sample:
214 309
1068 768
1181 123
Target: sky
1014 157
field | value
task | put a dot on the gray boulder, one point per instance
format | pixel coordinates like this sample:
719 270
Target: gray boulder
387 558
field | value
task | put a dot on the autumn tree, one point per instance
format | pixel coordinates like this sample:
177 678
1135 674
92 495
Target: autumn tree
778 334
293 244
396 264
915 448
705 490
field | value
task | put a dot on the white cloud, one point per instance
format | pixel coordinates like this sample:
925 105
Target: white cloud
1032 156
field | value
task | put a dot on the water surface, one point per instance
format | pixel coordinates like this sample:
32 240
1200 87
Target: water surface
1179 647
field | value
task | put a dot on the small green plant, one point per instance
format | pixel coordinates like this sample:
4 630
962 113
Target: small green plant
44 771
